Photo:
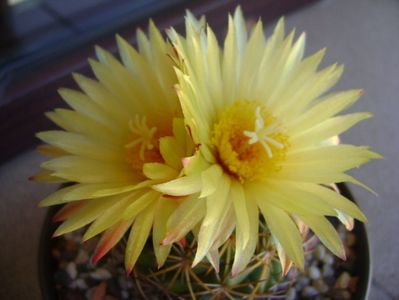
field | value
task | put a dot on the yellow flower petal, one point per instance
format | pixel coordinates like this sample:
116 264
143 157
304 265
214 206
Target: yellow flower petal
85 215
171 152
210 180
139 203
237 196
216 211
81 145
159 171
181 186
184 218
244 251
138 236
86 170
163 210
326 233
285 231
330 127
110 217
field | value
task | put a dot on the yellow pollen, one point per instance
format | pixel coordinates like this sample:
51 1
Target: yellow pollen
249 140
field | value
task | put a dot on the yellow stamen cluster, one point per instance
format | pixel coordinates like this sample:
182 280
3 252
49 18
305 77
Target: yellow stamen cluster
249 140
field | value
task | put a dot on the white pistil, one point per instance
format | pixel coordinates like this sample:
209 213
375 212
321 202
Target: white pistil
145 135
262 134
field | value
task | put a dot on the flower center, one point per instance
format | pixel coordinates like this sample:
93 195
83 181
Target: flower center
143 146
249 140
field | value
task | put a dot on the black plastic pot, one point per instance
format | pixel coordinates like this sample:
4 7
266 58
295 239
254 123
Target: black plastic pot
47 264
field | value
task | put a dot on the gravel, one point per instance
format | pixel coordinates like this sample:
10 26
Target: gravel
325 276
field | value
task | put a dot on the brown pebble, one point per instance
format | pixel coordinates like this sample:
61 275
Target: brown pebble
353 283
82 257
90 244
350 240
71 245
343 281
99 292
55 253
340 295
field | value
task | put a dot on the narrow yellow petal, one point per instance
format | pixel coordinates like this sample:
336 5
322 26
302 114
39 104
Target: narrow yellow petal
285 231
110 217
73 121
286 197
87 170
214 258
85 215
326 233
329 106
216 210
164 208
330 127
110 238
82 145
244 252
332 198
171 151
159 171
139 204
85 106
210 180
182 186
345 219
239 200
138 236
187 215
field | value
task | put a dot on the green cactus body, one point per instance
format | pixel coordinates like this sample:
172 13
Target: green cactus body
178 280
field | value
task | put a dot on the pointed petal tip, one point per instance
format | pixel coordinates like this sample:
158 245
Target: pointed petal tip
129 271
234 272
55 235
168 240
95 258
195 262
342 256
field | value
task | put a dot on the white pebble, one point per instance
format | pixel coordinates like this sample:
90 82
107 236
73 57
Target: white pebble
71 270
328 259
80 284
292 274
314 272
101 274
320 252
321 286
301 282
125 283
124 294
327 271
291 294
309 292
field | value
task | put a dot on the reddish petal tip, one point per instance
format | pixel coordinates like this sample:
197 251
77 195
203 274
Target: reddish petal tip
128 272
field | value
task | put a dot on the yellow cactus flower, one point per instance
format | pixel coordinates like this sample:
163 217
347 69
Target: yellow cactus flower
263 121
123 134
